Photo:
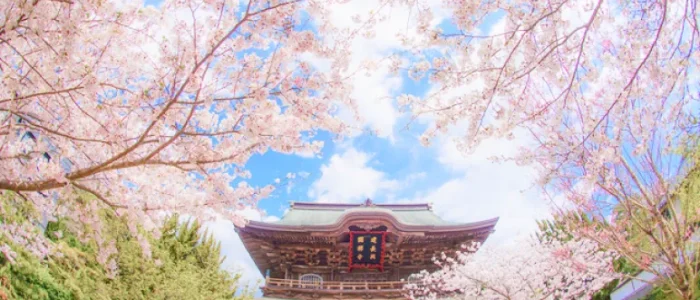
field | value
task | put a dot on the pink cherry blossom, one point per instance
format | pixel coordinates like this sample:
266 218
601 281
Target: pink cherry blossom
525 270
604 97
27 237
10 255
607 45
147 109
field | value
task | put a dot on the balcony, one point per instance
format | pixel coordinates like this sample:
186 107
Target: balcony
333 289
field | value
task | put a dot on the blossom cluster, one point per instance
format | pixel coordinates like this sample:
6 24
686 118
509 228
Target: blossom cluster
10 255
525 270
601 95
27 237
156 110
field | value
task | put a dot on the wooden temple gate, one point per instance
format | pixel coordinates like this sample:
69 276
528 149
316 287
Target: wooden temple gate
352 251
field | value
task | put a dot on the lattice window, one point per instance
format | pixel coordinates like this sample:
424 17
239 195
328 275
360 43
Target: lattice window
414 279
311 281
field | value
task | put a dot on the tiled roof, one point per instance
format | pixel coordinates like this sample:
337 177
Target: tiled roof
320 217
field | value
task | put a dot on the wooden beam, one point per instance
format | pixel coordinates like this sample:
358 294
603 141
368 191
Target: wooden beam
399 240
304 246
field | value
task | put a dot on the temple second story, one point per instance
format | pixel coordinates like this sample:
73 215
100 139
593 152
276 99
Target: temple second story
352 251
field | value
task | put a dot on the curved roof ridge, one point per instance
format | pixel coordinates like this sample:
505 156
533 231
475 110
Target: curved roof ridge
344 206
302 221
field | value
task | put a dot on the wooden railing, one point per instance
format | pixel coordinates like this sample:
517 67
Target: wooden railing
275 283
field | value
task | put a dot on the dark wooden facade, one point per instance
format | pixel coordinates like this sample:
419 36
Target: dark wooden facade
313 238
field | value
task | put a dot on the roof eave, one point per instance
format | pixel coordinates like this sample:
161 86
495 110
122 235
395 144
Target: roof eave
480 225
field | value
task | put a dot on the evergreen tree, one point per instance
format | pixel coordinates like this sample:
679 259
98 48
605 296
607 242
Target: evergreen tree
184 263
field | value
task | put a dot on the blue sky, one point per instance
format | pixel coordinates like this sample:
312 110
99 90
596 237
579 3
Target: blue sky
391 166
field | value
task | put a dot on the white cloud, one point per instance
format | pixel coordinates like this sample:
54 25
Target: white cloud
237 257
270 219
482 189
487 191
373 93
454 159
347 177
413 177
306 154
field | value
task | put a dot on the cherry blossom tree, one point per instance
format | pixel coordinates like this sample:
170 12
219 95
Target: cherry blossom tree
605 94
527 270
156 111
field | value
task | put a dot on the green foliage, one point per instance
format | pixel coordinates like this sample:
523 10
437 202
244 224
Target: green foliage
688 193
29 279
623 266
556 229
659 293
604 293
687 209
185 263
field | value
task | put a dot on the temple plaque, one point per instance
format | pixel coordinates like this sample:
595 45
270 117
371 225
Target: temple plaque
366 250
